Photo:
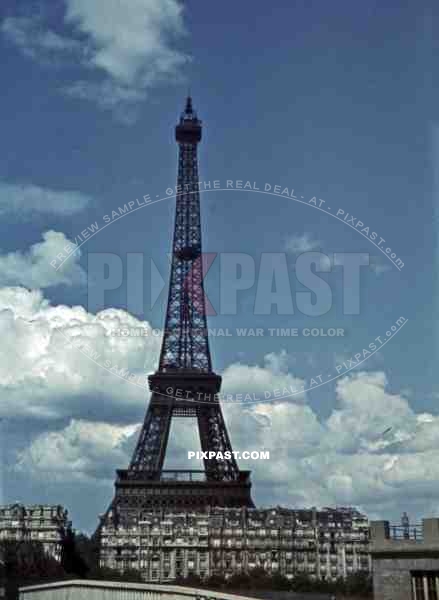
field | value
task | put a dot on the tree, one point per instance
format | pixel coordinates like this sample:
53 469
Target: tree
359 583
192 580
82 558
132 576
88 549
29 561
280 583
216 582
26 563
302 583
108 574
71 560
240 581
260 579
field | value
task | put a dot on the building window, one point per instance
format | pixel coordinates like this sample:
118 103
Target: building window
418 587
432 587
425 585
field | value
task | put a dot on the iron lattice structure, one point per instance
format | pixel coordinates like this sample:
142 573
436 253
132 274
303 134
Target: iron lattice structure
184 384
185 342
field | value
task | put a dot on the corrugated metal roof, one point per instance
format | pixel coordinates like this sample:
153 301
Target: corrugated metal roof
116 586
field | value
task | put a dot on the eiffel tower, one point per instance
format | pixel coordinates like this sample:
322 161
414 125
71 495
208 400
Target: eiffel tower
184 384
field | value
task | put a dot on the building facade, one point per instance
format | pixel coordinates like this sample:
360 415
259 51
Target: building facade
405 560
34 523
2 575
165 546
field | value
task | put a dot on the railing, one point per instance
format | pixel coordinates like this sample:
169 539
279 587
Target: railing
180 475
176 475
166 475
401 532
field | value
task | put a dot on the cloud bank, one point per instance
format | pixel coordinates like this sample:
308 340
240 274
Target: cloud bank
92 419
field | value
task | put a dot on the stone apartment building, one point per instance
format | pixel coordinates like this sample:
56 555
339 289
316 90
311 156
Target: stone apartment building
405 560
38 522
2 575
325 544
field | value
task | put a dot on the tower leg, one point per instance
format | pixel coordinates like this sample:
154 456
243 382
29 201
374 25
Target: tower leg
213 437
150 451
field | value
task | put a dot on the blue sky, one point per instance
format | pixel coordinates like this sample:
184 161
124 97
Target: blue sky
336 100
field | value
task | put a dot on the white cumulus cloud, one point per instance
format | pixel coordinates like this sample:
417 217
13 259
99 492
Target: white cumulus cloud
124 48
61 361
32 268
372 450
36 41
25 200
83 451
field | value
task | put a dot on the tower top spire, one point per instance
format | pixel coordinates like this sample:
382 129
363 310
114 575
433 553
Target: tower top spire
189 113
